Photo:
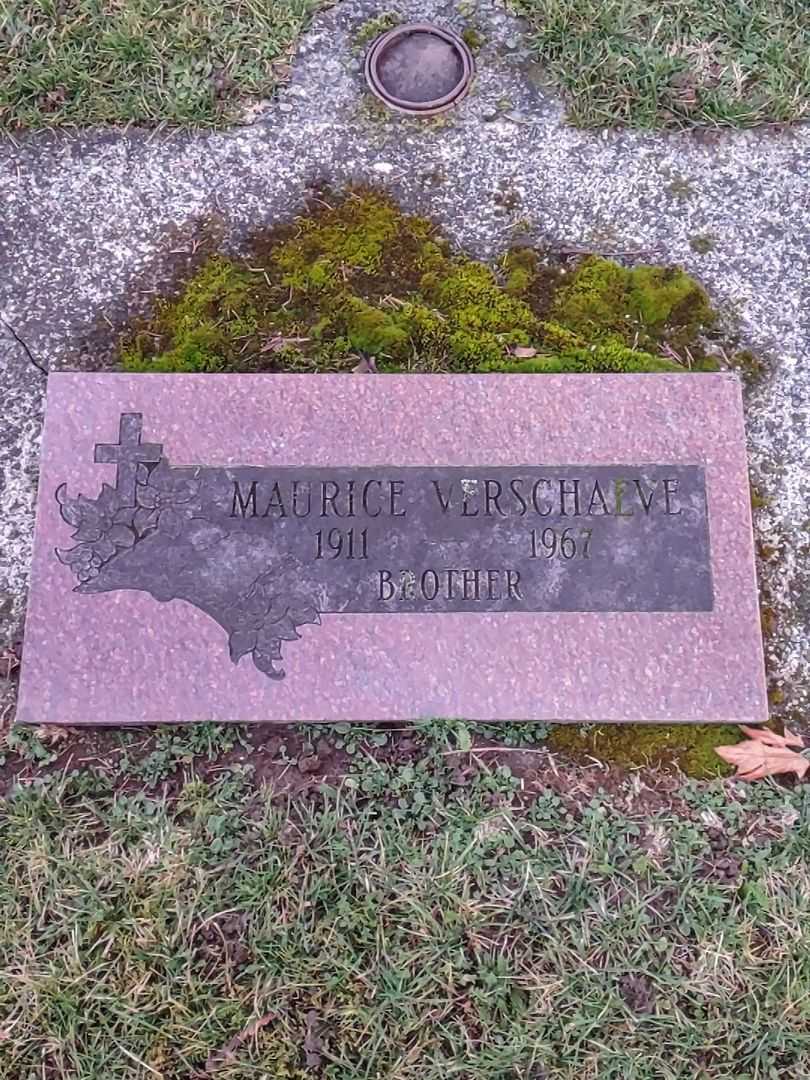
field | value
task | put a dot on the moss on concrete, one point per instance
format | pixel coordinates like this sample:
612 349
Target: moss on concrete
373 28
691 747
702 243
473 38
647 308
356 276
205 328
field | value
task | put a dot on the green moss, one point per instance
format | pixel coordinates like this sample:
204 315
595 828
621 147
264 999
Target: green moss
767 617
593 302
610 357
690 747
329 246
758 500
371 330
653 308
357 275
373 28
472 38
518 282
658 293
371 110
204 329
521 258
702 244
480 317
199 350
751 367
507 200
681 188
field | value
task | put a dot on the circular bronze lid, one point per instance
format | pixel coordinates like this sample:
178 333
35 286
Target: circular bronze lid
419 69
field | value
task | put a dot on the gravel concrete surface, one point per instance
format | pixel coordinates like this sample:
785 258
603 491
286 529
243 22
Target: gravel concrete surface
93 226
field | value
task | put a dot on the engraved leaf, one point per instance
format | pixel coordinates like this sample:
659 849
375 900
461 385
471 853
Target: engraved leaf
206 535
69 508
250 612
125 516
146 496
71 556
168 487
105 548
283 628
144 519
277 606
171 522
268 644
121 536
185 489
264 662
107 501
305 615
87 533
765 753
266 616
240 643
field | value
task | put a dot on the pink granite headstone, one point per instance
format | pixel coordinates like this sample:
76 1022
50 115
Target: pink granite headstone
300 548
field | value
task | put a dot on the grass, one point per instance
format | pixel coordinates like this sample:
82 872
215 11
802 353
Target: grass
77 62
403 923
197 63
675 62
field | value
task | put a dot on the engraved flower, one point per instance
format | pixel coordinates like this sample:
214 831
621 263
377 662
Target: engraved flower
166 501
103 526
83 561
102 521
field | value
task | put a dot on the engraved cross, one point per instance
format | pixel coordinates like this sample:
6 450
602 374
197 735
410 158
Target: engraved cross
127 454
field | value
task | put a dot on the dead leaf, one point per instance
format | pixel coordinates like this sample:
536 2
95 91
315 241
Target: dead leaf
53 734
367 366
688 96
765 753
220 1058
250 111
277 343
53 98
523 352
9 662
773 738
222 81
313 1044
282 70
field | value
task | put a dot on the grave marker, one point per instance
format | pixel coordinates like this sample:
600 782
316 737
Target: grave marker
292 548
